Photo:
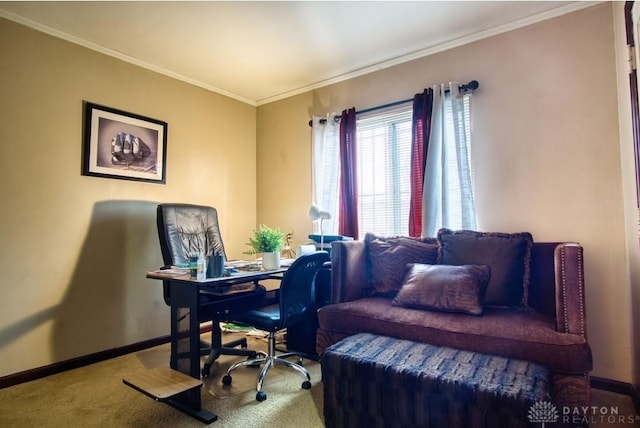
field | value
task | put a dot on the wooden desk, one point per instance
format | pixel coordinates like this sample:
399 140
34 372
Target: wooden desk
187 296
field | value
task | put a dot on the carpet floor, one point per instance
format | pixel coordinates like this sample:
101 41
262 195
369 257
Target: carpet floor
94 396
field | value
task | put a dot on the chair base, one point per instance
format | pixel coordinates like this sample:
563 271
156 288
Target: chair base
229 348
271 360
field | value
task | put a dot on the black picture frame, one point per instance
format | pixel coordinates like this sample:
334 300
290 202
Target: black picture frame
122 145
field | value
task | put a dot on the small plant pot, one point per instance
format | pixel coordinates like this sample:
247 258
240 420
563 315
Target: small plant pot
271 261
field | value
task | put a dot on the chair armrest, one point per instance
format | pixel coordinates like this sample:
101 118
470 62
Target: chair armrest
348 270
570 301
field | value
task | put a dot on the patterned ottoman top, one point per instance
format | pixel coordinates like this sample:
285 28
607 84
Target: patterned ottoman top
497 376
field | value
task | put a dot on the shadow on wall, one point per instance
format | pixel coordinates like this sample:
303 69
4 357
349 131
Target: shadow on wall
18 329
109 302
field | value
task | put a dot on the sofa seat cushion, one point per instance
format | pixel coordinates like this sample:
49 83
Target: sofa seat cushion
514 333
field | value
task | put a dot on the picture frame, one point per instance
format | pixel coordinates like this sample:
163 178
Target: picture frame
122 145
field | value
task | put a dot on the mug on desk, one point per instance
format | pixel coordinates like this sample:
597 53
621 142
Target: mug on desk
215 266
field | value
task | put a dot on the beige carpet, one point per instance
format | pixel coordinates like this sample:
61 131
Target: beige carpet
94 396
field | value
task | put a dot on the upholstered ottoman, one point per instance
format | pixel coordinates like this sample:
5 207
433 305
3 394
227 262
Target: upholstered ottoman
376 381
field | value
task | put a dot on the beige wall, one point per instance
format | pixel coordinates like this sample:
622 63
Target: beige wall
75 248
547 158
629 185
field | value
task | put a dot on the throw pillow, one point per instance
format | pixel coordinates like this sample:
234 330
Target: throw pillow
444 288
508 256
387 258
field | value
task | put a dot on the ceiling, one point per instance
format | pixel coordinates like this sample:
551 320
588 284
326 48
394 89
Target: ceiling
262 51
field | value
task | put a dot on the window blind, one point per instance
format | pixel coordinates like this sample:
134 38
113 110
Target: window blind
384 158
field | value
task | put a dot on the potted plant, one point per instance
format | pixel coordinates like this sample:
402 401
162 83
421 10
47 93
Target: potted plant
267 241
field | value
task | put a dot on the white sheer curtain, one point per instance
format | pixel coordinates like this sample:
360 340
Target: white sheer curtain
447 195
325 169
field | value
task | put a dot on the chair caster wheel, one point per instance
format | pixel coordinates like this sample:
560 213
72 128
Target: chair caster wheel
306 385
206 370
226 380
261 396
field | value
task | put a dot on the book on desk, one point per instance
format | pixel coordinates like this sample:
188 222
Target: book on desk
323 242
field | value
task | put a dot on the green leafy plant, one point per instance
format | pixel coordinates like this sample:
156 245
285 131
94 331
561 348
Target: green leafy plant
266 240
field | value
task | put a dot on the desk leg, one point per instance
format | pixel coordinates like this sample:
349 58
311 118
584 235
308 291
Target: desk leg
185 403
185 347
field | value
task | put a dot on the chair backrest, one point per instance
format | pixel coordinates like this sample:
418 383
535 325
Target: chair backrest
297 288
184 229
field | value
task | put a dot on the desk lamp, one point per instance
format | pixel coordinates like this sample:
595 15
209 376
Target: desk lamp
317 213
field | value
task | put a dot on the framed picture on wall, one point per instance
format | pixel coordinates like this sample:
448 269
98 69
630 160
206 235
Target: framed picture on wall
123 145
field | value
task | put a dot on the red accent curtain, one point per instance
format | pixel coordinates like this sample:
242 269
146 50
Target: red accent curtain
422 107
348 218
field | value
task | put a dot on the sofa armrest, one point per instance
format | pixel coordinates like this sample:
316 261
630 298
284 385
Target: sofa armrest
570 301
348 270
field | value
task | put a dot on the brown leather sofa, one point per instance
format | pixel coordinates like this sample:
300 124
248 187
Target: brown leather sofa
550 329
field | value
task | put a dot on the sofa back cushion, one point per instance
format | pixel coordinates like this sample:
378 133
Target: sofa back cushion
444 288
387 259
508 256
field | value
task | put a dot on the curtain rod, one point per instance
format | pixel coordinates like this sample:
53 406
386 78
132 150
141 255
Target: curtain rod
469 87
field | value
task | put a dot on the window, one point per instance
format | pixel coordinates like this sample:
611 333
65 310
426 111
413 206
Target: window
384 159
384 168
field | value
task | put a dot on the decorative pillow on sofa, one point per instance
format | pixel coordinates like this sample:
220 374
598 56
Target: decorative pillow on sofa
508 256
444 288
387 259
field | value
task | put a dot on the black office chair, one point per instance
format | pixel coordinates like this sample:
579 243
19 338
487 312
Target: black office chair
183 229
296 299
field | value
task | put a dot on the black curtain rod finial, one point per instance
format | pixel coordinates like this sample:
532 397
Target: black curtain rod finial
471 86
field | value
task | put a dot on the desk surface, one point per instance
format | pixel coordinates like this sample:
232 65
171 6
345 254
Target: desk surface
176 274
